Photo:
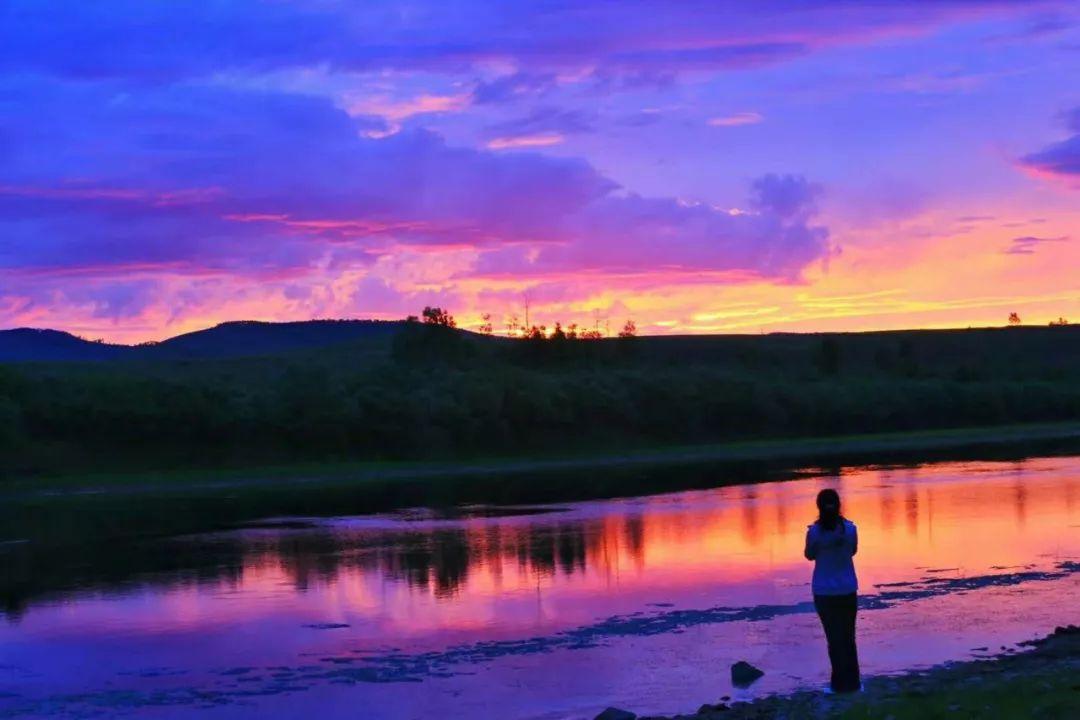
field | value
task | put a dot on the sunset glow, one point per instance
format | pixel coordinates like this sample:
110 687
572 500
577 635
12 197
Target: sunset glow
698 167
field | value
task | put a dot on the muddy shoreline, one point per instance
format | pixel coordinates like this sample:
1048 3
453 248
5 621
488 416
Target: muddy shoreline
1042 681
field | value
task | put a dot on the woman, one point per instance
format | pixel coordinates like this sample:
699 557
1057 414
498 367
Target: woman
831 542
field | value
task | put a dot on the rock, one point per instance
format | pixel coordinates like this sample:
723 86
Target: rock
616 714
743 674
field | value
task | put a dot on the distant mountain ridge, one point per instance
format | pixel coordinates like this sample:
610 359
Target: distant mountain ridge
231 339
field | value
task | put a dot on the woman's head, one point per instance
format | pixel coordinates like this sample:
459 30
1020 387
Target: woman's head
828 505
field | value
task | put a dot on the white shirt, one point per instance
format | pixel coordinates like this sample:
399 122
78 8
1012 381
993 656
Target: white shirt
832 551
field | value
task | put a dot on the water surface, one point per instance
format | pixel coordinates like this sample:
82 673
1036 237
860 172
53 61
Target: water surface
546 611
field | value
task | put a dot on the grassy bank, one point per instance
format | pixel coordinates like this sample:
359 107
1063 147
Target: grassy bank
1043 682
762 456
431 394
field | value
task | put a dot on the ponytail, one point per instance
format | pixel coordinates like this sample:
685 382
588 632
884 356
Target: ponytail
828 504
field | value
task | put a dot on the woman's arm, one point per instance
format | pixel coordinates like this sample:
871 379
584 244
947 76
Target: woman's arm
854 539
811 544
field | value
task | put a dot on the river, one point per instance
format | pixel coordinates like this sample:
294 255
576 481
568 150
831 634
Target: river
538 611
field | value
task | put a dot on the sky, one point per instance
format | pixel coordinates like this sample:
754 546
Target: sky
698 166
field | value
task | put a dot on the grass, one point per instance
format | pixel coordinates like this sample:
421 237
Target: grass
1042 682
791 452
1046 693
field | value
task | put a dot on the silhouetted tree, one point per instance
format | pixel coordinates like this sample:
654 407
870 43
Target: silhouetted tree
629 330
486 327
1014 319
434 340
438 316
1060 322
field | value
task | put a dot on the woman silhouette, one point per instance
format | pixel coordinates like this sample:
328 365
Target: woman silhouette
831 542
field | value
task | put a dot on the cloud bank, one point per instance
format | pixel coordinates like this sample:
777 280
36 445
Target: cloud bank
176 162
1061 160
198 182
174 40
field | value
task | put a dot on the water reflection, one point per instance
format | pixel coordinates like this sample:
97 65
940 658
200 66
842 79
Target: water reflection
468 584
953 515
731 532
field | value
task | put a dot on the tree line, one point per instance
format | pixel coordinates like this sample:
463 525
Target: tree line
515 329
434 391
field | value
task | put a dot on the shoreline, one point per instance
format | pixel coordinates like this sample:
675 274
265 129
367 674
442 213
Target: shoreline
1043 682
762 455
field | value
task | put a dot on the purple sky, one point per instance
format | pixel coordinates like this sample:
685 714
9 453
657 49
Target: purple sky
698 166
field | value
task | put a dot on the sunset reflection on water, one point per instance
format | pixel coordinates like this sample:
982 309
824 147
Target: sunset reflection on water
737 544
284 592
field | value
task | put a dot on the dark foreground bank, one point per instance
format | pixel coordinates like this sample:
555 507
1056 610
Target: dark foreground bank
1043 682
742 462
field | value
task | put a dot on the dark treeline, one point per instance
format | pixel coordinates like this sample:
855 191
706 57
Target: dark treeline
431 390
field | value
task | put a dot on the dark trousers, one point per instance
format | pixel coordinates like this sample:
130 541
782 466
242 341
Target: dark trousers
837 613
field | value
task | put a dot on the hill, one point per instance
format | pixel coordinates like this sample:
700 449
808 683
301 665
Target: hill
246 338
24 344
227 340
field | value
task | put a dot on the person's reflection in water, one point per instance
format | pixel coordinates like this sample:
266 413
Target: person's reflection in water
831 542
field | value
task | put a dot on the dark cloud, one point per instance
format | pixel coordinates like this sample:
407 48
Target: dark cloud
734 55
543 120
514 86
1061 159
1027 245
226 178
640 118
637 234
1035 29
172 40
198 180
786 196
149 139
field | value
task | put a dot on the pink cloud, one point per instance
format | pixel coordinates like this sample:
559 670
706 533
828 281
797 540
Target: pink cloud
525 141
743 118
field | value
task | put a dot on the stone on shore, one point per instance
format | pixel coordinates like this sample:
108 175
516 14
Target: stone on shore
743 674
